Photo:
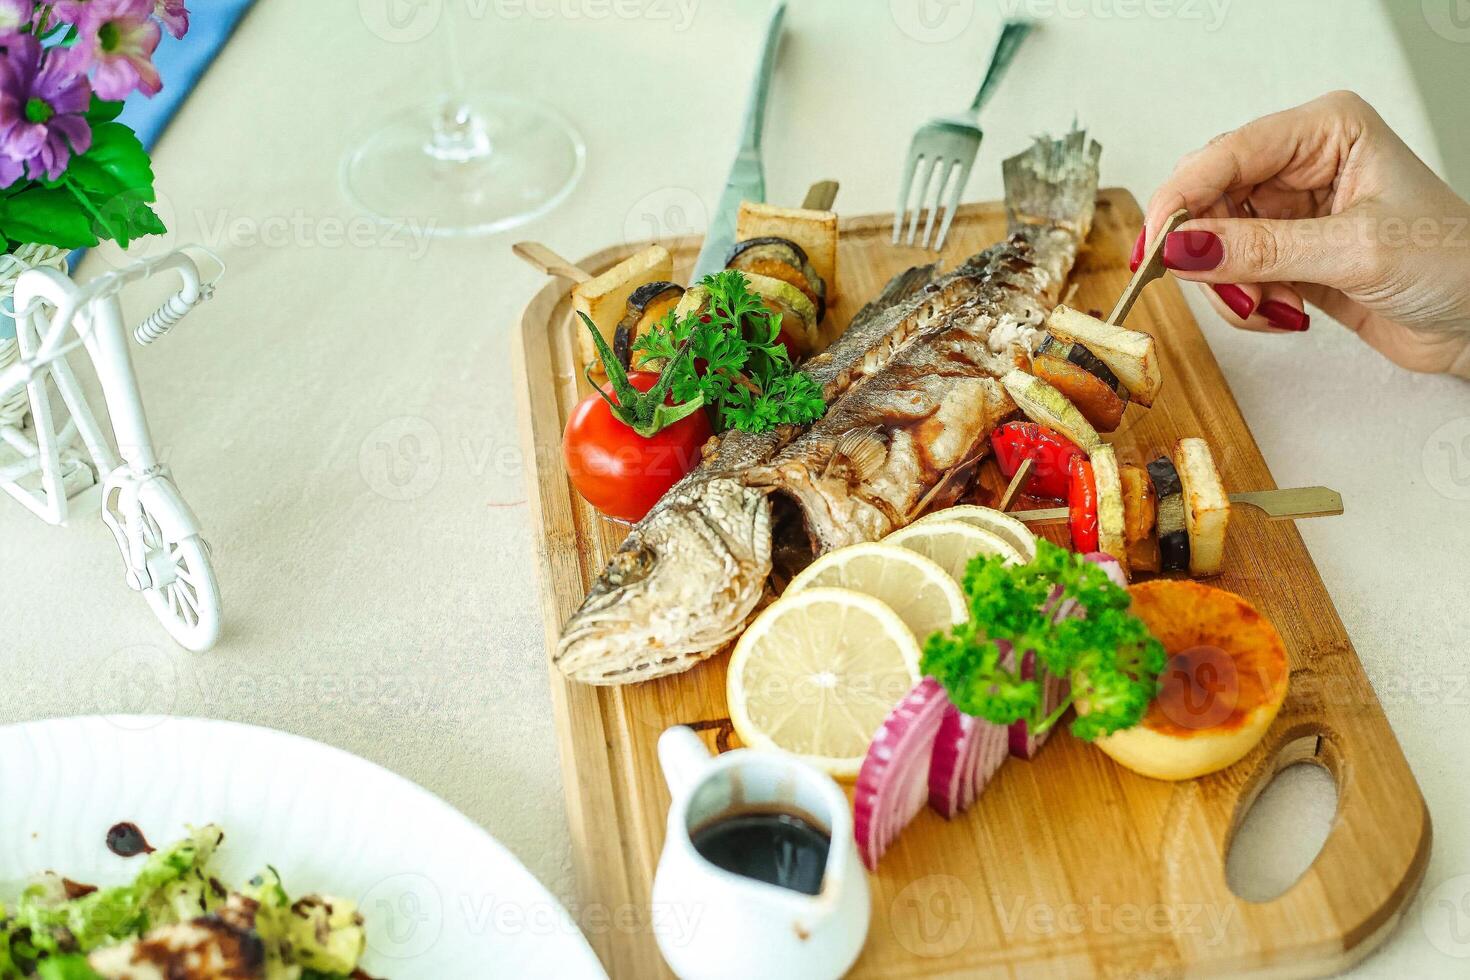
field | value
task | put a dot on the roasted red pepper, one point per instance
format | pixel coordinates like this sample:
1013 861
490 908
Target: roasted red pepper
1016 442
1082 505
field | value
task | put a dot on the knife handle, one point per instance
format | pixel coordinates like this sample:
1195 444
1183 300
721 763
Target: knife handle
755 111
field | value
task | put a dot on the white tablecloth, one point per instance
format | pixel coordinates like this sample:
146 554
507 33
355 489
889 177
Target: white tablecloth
342 417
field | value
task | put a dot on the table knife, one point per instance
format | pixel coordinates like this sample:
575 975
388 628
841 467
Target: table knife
747 180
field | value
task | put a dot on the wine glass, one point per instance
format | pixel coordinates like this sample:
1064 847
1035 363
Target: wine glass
465 164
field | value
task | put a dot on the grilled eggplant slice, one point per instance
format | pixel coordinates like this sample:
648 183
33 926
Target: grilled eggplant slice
1130 355
1140 514
814 231
1206 507
783 259
1111 537
647 305
1172 530
1086 381
1045 405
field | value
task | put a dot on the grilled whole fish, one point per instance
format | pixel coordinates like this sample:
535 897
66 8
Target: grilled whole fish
912 388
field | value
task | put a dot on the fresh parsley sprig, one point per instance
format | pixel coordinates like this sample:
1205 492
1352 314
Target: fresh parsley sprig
1108 654
735 364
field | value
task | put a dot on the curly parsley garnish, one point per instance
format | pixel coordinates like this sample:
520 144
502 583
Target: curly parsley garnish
1111 659
735 364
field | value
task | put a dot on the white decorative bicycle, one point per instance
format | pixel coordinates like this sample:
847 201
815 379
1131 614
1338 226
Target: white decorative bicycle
163 553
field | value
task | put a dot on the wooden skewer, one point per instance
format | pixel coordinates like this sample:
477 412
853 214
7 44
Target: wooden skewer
543 259
1150 269
1018 483
1298 503
821 196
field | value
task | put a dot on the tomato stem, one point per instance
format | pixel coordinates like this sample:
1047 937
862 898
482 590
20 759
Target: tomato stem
644 413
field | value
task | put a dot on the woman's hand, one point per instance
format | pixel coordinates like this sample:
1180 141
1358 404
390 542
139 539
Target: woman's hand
1325 203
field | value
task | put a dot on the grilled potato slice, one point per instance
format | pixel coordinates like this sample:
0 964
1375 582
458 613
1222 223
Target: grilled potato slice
1129 354
1206 507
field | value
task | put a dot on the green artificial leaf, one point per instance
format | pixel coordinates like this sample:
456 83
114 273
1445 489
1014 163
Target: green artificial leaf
47 216
117 152
102 111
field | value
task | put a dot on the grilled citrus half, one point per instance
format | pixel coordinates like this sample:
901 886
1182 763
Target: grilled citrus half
1223 684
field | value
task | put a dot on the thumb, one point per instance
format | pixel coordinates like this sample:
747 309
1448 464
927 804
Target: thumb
1328 251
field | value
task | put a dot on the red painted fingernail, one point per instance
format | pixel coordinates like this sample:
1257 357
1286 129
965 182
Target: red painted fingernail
1285 317
1136 259
1193 251
1237 299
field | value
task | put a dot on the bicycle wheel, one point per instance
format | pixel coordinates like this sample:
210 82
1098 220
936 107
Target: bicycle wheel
187 602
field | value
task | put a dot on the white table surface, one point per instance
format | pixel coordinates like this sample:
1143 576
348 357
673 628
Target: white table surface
393 612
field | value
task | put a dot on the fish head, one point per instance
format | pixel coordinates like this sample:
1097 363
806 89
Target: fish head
679 589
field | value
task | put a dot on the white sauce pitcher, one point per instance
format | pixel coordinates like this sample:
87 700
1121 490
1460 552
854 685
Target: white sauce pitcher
713 923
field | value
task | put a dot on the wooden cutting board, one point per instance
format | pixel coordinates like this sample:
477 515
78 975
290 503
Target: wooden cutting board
1068 865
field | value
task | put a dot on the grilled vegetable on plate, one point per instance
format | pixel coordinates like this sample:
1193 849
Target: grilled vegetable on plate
1085 380
604 298
814 232
1128 354
783 259
647 305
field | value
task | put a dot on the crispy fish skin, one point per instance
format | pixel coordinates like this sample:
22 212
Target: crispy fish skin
691 573
916 368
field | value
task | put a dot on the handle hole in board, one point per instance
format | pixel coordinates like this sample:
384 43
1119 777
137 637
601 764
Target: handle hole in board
1282 830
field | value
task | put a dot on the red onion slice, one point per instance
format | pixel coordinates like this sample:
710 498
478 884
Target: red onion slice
893 782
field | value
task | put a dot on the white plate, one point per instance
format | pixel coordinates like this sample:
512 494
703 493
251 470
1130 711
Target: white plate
442 898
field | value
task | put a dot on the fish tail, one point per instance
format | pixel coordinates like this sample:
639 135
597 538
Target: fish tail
1054 183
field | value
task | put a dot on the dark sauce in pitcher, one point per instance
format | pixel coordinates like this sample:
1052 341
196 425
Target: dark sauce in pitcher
776 847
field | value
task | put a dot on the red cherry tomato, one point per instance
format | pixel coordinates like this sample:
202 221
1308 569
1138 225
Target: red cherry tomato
618 471
1082 505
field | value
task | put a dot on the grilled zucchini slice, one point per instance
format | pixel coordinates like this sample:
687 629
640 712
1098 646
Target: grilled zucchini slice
1045 405
1130 355
1206 507
1111 536
781 258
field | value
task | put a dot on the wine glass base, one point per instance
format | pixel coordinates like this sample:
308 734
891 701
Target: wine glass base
517 160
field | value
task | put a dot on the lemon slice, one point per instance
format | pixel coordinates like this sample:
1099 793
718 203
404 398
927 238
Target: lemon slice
999 523
924 595
951 544
816 674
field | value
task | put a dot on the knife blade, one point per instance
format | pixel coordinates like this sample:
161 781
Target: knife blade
747 180
1298 503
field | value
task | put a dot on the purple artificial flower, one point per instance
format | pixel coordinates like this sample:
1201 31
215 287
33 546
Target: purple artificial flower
42 102
175 16
118 38
15 15
71 11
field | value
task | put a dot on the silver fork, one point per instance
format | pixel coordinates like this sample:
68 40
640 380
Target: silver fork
949 144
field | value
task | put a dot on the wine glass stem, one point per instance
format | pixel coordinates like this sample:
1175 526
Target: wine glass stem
459 133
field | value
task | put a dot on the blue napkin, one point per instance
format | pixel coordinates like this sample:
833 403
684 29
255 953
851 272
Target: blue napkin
182 64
